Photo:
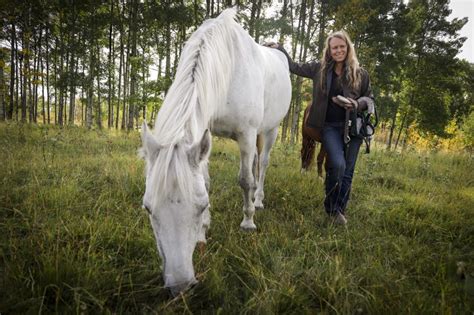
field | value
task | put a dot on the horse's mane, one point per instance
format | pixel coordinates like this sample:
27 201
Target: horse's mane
200 86
201 82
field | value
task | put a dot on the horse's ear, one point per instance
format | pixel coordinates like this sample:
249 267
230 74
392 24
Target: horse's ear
150 145
201 151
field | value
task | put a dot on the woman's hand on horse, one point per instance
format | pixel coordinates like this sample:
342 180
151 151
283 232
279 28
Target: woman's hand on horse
271 44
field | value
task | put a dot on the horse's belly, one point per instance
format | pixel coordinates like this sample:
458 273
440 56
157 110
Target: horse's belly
233 123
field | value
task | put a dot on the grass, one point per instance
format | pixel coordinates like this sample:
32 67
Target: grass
74 238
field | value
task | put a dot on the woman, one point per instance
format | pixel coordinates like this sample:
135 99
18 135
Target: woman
337 74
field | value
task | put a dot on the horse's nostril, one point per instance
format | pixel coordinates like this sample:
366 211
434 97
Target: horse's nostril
176 290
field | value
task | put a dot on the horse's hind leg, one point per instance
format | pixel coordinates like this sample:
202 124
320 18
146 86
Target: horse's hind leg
321 158
246 179
307 152
269 140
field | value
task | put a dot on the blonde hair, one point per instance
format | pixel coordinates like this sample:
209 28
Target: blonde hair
351 63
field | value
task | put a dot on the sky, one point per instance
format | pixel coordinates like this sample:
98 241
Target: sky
460 9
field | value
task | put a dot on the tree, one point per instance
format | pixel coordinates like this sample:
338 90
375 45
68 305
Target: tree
436 43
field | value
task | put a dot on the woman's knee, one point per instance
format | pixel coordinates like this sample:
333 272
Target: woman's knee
338 167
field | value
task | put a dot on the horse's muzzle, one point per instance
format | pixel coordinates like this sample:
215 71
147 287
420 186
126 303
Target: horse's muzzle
175 290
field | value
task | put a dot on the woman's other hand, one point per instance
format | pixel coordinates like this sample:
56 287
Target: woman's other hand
346 103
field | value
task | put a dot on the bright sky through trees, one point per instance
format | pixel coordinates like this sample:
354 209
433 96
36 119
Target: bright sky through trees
465 8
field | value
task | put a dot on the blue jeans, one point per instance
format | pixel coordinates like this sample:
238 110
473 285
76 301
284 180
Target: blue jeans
342 159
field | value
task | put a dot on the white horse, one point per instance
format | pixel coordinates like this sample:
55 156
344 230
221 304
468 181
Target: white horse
227 84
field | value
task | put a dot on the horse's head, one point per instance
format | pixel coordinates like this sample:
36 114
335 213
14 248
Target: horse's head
176 198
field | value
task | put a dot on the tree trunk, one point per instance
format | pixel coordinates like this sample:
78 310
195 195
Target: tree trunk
61 76
99 105
72 90
110 120
12 72
33 78
120 79
83 112
2 91
25 74
134 67
125 83
196 4
401 128
286 120
56 81
257 21
322 25
47 75
304 39
168 57
284 13
18 72
392 129
90 87
253 13
144 90
73 68
43 109
406 135
37 71
176 59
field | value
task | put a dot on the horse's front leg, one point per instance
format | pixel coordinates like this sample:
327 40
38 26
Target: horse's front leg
246 179
269 140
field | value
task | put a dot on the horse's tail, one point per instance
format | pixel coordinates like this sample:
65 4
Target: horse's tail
202 81
308 145
256 165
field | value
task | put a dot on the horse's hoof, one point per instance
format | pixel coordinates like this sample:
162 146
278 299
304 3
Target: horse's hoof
249 227
258 205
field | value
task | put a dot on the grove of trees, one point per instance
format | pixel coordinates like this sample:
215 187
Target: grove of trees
109 63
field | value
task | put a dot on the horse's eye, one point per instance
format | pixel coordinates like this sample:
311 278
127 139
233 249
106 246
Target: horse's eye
204 208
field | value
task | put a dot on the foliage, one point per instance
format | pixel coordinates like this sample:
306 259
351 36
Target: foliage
409 49
468 132
75 239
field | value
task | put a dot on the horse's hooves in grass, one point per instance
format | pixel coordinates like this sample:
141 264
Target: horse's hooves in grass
259 206
248 230
248 227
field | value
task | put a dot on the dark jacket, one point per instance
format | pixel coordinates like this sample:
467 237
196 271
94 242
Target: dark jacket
319 105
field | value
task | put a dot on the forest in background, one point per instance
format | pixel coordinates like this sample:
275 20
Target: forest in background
108 64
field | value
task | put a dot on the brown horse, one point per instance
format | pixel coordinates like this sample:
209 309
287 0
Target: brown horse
310 137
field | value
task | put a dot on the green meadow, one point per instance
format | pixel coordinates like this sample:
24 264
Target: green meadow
74 238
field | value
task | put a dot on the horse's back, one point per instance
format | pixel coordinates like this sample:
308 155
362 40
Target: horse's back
260 89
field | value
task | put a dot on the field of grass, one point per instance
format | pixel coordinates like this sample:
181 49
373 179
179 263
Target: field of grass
74 239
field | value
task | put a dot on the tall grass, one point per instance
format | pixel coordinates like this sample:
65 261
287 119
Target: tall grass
74 238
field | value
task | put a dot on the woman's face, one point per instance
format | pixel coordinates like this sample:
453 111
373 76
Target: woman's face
338 48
